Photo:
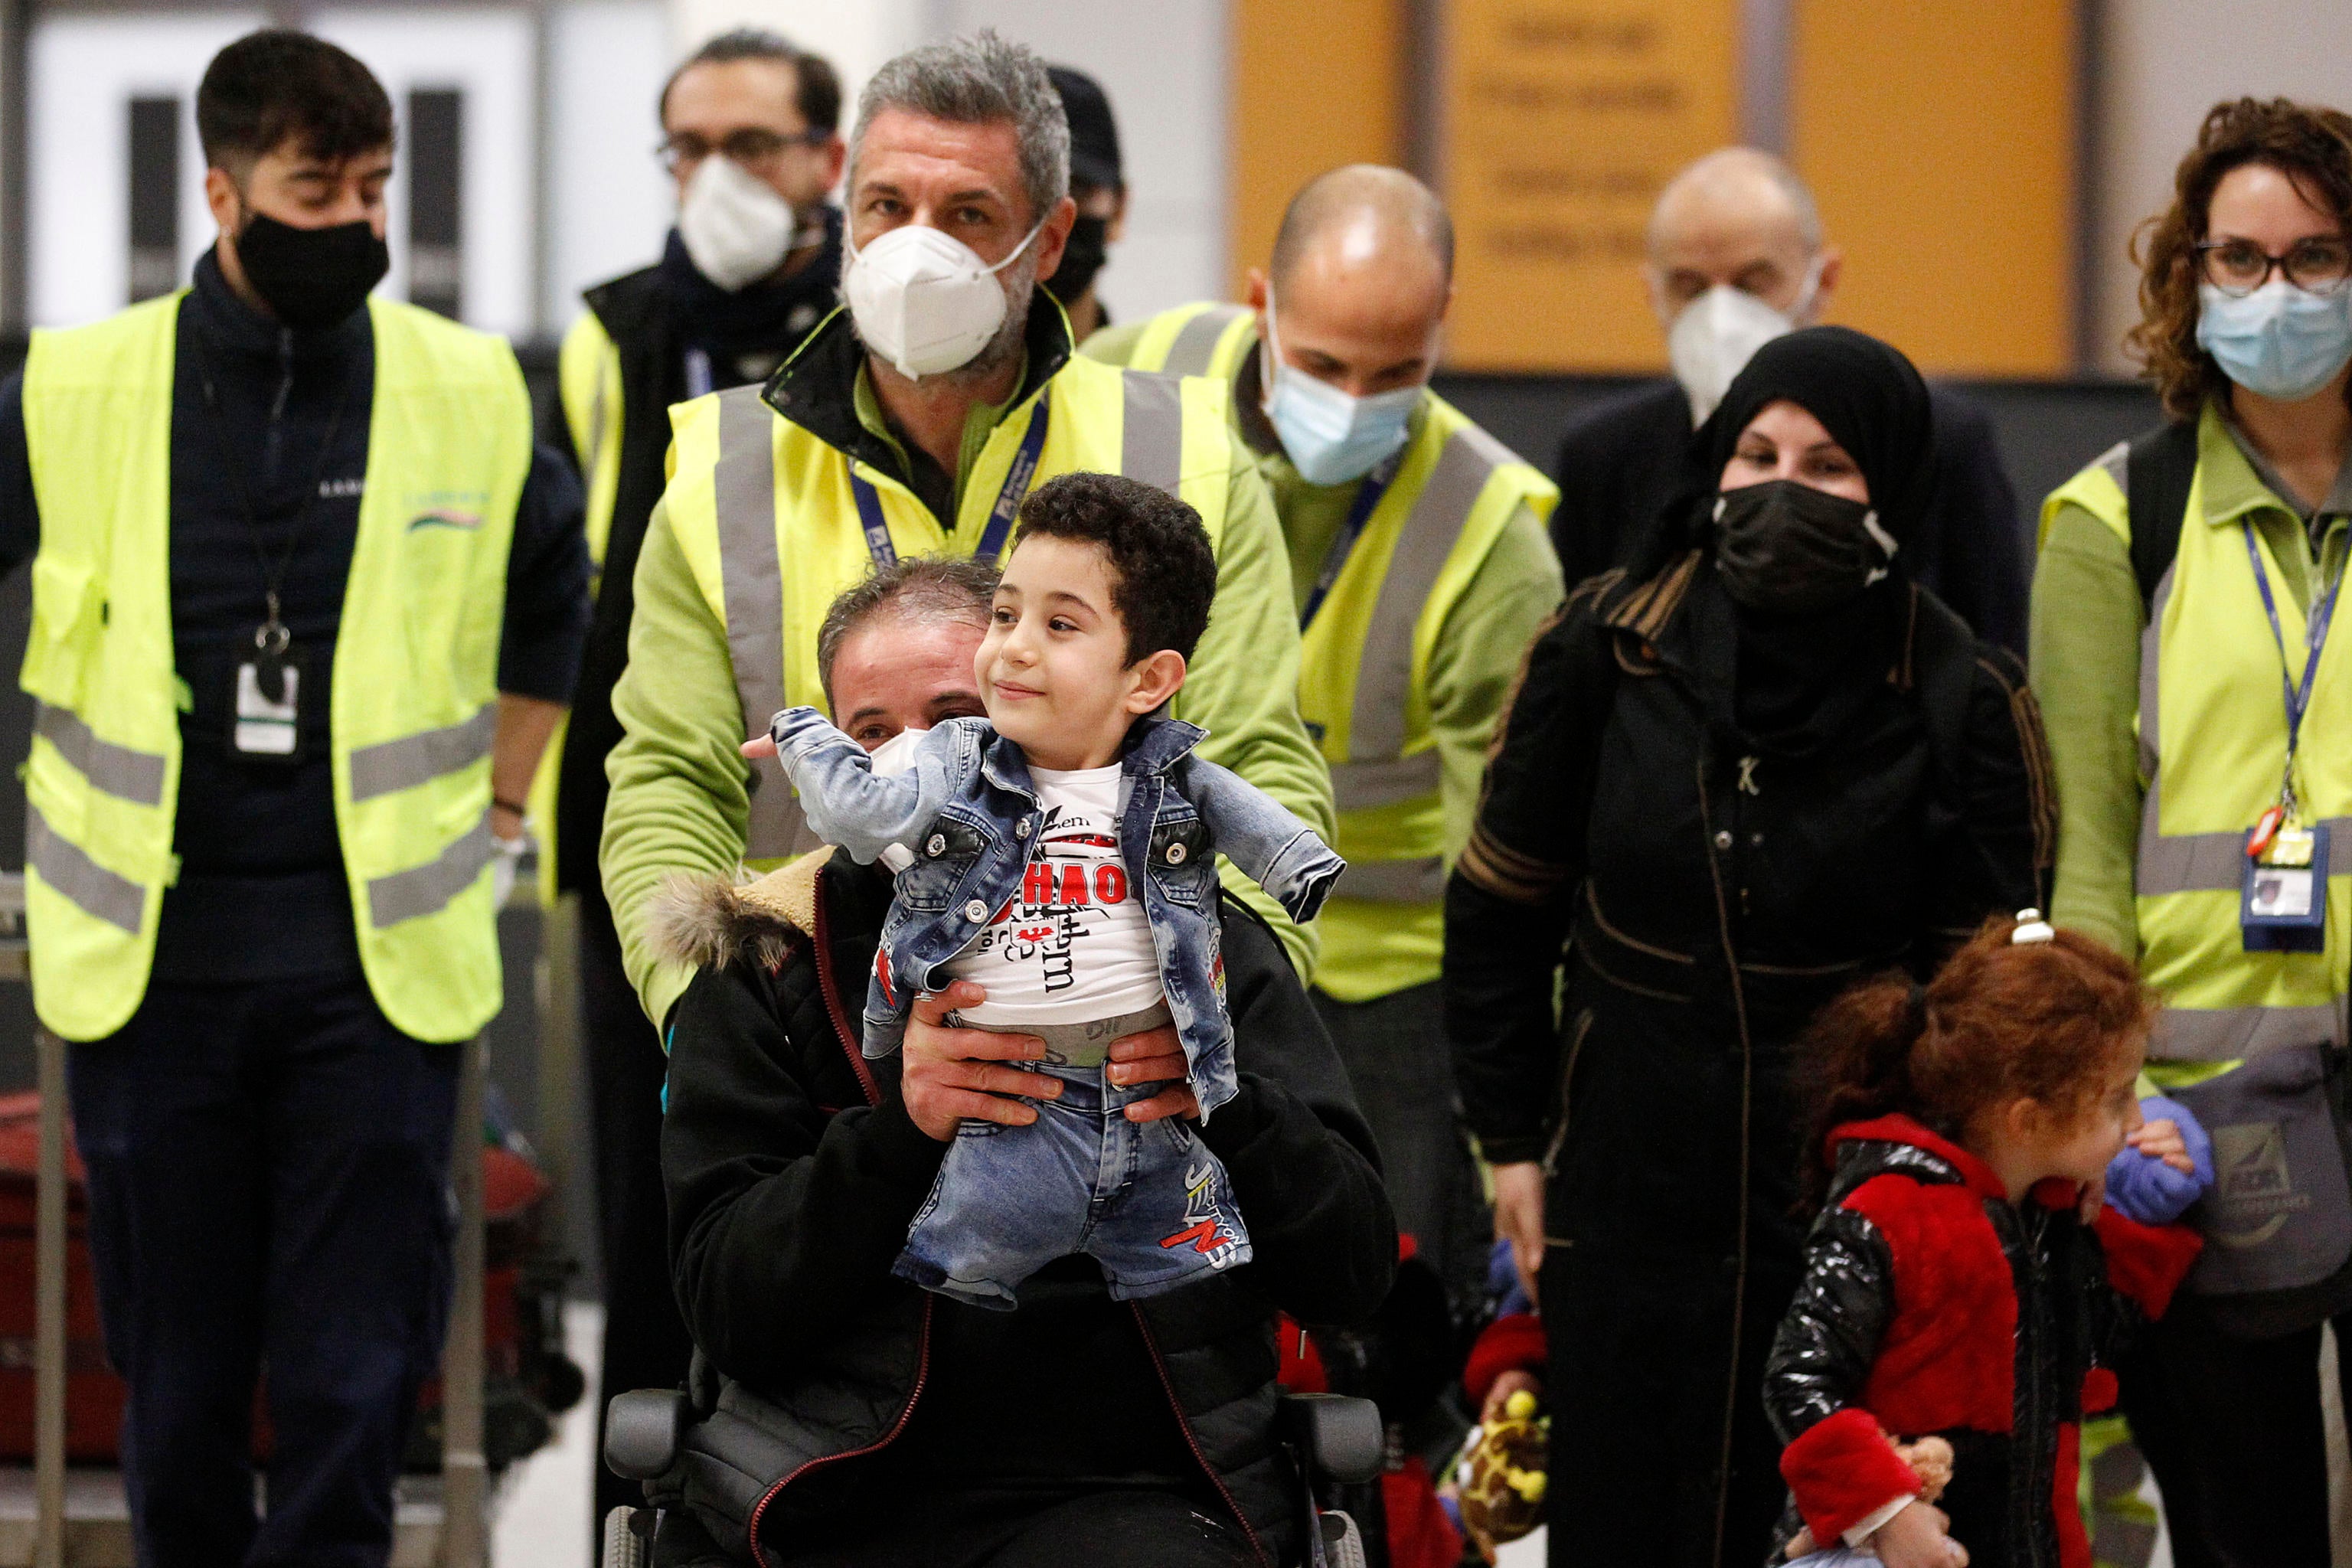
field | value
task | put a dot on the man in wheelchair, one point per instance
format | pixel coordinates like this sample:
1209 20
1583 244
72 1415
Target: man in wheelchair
853 1419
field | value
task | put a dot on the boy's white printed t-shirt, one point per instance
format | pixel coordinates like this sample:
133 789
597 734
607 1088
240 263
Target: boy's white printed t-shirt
1073 945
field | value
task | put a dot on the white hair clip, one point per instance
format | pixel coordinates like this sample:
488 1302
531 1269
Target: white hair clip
2030 929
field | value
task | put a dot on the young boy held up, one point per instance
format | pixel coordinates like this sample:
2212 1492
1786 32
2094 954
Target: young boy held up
1059 857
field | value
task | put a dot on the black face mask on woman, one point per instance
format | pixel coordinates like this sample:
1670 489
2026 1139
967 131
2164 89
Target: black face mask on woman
311 277
1790 549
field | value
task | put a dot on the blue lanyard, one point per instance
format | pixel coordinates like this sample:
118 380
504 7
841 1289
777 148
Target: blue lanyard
2323 611
1335 560
1009 498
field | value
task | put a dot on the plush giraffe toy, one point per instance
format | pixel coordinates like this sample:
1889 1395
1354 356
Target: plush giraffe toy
1502 1476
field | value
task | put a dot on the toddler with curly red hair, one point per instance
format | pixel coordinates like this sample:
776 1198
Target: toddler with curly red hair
1966 1277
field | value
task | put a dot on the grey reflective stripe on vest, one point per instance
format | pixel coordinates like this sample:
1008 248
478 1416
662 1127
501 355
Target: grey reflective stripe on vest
1384 666
426 889
744 490
1152 434
1361 787
1419 881
2234 1034
390 766
81 880
2212 862
1196 341
134 776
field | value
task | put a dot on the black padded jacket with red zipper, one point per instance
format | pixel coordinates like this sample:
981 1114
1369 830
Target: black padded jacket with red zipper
792 1172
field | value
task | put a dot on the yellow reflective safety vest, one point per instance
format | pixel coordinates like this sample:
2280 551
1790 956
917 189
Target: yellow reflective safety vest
415 688
588 376
588 381
2212 747
762 511
1364 660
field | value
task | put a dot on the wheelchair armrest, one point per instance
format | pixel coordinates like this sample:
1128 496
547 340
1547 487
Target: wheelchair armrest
643 1429
1337 1436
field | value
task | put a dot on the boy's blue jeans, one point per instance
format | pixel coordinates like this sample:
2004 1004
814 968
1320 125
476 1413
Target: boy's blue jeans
1147 1200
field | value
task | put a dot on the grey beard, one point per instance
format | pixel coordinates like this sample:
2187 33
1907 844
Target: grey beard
1005 346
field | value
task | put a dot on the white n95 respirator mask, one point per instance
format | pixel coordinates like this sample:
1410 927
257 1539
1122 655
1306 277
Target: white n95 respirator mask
736 229
1718 333
924 300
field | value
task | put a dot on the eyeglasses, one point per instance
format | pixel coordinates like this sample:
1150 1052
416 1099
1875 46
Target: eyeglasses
751 147
2239 267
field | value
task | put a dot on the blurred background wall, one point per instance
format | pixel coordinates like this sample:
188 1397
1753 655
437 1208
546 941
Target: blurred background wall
1982 161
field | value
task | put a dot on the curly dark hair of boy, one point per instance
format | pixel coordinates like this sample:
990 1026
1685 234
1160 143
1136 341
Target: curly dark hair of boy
2000 1021
2312 146
1163 574
279 85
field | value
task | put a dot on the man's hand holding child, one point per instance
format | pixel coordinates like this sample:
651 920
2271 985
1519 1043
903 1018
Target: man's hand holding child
951 1073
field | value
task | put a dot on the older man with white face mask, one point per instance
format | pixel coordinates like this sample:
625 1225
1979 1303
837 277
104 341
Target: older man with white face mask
1736 256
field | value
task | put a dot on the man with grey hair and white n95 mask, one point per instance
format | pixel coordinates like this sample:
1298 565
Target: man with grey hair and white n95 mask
1736 258
914 421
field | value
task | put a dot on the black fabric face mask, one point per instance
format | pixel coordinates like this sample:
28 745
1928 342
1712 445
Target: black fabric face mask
1087 249
1790 549
311 278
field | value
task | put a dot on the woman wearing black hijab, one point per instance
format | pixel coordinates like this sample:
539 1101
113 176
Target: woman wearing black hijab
1735 778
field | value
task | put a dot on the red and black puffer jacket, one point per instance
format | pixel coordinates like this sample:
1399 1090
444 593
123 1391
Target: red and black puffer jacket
1931 1304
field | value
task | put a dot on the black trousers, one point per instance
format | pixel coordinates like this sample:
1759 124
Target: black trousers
646 1342
268 1183
1394 1048
2234 1430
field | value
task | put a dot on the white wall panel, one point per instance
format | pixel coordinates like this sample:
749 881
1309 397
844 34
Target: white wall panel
856 35
489 53
1162 64
85 70
612 202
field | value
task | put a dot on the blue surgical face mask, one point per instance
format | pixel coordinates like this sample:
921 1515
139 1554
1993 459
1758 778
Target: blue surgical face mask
1329 437
2280 341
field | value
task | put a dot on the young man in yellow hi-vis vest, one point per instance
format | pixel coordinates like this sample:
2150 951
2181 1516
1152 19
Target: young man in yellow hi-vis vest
305 607
1420 573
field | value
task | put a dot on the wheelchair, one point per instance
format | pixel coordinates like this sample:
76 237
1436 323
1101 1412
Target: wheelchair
1333 1440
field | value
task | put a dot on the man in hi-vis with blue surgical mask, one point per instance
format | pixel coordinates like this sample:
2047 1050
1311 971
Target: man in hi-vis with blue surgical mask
914 422
1420 573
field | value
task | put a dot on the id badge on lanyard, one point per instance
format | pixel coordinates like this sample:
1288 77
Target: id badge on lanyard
2283 905
266 718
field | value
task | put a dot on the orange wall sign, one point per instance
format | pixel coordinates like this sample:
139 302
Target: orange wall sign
1562 120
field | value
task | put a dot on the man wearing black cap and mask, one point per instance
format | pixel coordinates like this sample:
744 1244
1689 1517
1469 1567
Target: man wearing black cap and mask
307 603
1099 187
749 132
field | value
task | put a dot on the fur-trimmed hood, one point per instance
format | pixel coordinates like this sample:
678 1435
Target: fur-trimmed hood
709 922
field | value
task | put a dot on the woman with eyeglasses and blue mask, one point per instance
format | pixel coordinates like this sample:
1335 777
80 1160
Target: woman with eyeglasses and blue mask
2198 711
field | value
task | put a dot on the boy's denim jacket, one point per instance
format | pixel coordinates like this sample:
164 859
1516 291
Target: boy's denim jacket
966 809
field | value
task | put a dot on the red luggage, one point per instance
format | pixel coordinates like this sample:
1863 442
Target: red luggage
526 1377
